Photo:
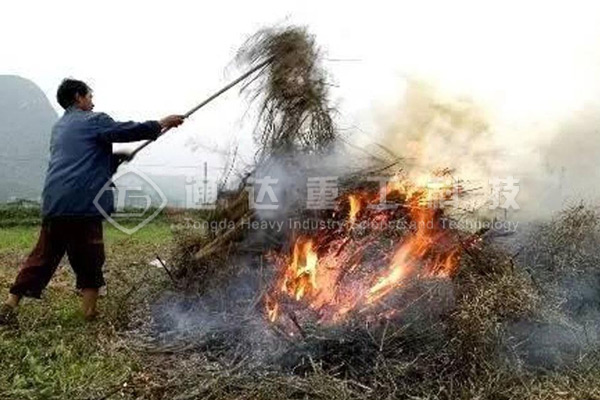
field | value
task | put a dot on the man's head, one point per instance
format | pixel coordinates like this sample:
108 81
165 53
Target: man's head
72 92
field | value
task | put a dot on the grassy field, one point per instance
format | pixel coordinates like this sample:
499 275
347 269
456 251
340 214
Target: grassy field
54 354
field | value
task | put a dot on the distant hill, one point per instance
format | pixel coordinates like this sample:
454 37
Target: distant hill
26 118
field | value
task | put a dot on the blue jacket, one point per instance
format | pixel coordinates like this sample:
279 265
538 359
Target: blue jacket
80 161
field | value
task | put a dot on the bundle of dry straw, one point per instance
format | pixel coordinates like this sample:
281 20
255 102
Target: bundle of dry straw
294 112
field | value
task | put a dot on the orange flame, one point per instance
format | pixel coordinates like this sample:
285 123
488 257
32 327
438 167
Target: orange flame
355 207
300 277
407 255
329 274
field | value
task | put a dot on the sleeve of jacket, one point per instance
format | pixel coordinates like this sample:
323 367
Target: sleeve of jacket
111 131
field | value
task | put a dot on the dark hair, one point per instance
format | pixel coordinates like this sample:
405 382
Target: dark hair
68 89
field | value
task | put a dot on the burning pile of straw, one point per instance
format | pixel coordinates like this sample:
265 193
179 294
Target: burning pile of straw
488 330
344 311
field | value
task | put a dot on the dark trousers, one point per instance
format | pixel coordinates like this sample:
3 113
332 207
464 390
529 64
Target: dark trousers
80 238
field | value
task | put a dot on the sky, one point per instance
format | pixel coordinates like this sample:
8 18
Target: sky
529 63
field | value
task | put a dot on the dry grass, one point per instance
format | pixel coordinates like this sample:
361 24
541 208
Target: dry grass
484 334
502 328
294 99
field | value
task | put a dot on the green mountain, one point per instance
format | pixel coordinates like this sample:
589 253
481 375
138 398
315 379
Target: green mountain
26 119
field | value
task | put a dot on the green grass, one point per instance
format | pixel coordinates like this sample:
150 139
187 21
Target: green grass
22 237
16 216
17 238
54 353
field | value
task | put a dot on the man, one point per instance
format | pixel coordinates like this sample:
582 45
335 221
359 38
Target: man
80 165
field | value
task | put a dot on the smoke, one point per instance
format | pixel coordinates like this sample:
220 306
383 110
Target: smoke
289 177
561 257
569 160
431 132
553 159
223 321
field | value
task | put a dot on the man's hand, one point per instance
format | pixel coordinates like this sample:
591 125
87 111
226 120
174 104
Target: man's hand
117 159
172 121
